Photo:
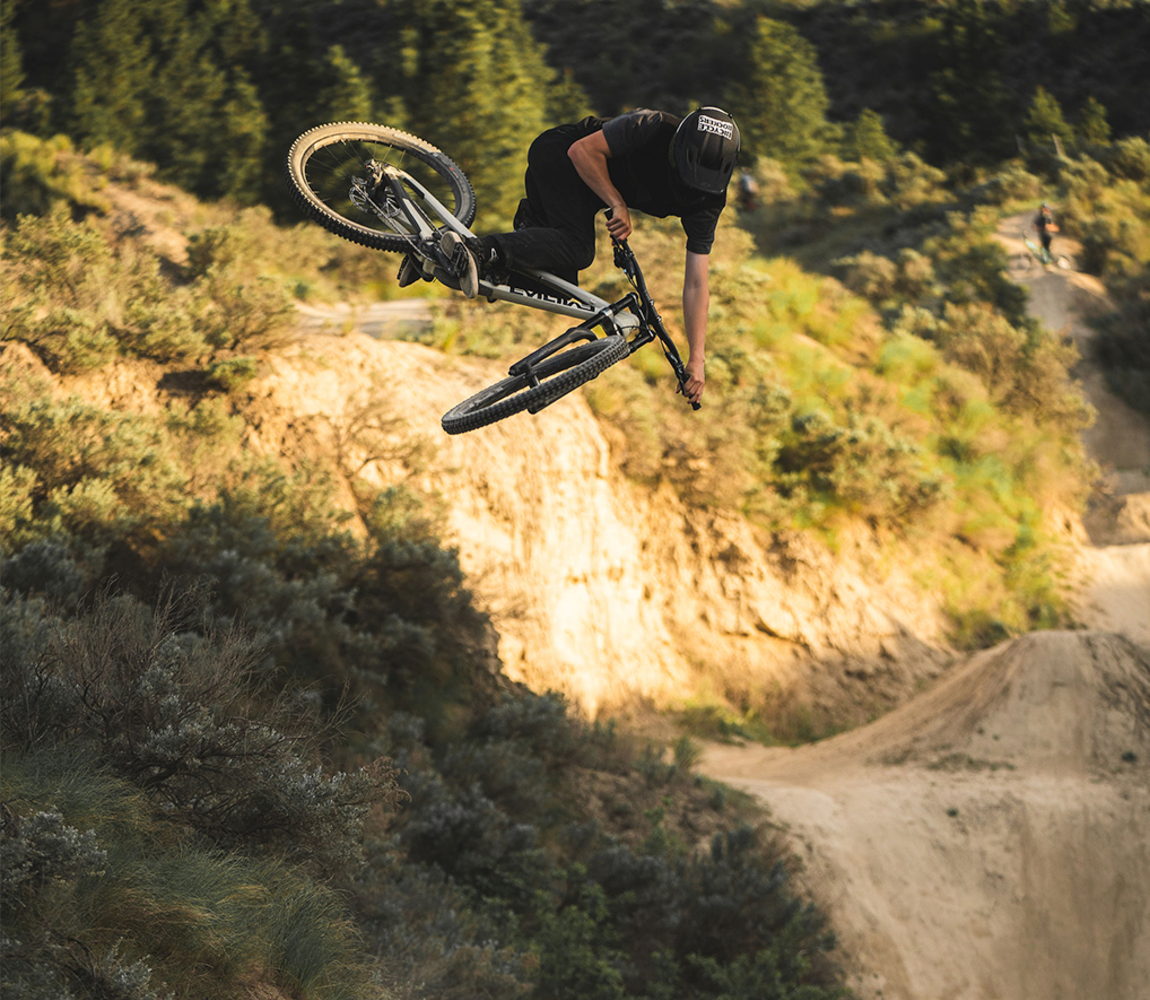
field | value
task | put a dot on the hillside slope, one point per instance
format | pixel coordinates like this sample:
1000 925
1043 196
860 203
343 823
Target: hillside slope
988 839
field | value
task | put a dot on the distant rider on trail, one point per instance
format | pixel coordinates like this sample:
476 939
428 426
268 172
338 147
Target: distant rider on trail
1044 223
650 161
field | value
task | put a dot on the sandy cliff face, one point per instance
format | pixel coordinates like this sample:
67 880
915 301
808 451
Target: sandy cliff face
605 590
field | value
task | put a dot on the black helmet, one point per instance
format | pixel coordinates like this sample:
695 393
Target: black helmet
704 150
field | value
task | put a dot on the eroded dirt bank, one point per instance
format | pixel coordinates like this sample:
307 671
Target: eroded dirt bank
611 592
600 588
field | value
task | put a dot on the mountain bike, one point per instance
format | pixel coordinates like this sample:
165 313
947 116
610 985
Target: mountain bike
383 188
1036 258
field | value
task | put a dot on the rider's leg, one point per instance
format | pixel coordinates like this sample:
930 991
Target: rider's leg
560 235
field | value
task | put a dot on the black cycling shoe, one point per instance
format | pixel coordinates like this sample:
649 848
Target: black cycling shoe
464 266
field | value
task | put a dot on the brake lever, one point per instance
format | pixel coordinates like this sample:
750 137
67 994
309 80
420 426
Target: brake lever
683 392
681 375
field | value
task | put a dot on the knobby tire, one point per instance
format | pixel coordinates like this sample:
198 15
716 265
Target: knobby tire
557 376
322 163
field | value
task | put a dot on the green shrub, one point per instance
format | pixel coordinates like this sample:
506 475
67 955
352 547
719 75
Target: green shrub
79 301
231 374
1130 158
1122 346
170 710
1111 216
1012 184
49 568
890 285
37 174
221 248
130 909
239 313
89 472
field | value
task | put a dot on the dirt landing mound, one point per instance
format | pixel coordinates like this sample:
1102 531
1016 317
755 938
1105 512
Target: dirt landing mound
987 840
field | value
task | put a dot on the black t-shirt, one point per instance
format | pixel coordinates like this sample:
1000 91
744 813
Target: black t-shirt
641 170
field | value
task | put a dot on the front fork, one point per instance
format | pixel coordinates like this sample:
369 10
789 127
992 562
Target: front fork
652 321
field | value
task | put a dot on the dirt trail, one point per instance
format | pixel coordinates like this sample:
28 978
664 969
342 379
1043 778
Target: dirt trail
988 840
397 319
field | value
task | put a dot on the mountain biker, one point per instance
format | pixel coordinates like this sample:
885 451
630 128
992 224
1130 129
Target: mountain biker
748 191
650 161
1044 223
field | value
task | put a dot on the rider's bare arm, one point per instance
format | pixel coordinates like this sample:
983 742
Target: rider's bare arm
589 156
696 301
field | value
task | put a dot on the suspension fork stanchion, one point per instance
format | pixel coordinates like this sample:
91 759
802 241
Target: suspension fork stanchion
419 222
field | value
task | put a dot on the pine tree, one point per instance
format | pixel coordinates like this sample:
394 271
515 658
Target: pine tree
184 96
866 138
344 93
478 89
113 67
11 66
208 126
1093 128
1044 122
240 166
970 119
567 101
780 102
164 80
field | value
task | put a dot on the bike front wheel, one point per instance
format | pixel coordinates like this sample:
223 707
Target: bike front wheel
333 173
1021 265
549 381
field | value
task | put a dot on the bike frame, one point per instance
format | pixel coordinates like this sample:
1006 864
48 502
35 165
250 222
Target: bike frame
633 315
1041 254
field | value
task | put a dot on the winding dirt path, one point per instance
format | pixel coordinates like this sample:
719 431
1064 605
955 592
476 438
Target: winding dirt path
988 840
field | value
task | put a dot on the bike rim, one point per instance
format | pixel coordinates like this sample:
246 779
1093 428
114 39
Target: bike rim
339 172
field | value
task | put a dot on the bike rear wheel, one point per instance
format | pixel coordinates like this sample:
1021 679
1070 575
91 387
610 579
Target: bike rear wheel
332 170
556 377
